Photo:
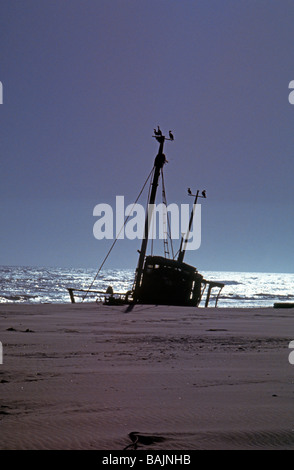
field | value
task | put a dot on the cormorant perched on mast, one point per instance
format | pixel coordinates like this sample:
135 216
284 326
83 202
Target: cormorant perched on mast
158 134
171 135
158 131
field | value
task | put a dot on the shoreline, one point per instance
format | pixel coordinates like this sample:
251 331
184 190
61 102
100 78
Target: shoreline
84 376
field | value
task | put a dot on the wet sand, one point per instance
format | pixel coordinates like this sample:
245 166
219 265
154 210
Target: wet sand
85 376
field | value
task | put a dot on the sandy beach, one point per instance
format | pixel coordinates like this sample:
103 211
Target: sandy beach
85 376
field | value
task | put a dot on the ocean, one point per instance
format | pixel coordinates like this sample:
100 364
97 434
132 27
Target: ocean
24 284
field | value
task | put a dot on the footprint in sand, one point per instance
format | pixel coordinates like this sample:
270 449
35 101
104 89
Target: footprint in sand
144 439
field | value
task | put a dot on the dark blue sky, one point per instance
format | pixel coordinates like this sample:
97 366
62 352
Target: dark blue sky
84 84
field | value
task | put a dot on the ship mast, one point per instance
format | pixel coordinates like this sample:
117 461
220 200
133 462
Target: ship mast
158 164
185 240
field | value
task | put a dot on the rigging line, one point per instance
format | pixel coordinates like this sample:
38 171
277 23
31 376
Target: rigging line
176 254
152 237
168 220
116 238
152 220
148 199
164 221
152 226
